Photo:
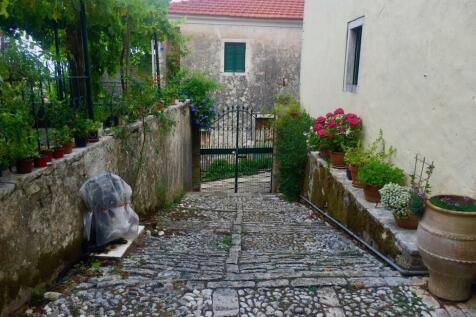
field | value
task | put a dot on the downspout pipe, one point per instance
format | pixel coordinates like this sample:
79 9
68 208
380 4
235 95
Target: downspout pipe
370 248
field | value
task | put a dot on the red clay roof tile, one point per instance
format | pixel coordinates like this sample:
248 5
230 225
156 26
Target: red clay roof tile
260 9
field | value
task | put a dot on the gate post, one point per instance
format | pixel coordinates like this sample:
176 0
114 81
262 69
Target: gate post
196 177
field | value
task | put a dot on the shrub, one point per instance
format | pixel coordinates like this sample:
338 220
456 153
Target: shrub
222 169
292 123
378 173
396 198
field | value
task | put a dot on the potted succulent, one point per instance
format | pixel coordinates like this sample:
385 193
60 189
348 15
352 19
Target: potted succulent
396 198
375 174
341 131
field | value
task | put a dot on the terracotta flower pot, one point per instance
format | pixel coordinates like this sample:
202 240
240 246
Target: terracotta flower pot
324 154
348 173
337 159
41 161
48 153
81 141
68 148
372 194
411 222
24 166
58 153
446 240
354 170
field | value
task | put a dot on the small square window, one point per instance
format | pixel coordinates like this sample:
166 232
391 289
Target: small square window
352 63
235 54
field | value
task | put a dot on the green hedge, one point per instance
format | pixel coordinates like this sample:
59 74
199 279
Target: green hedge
291 149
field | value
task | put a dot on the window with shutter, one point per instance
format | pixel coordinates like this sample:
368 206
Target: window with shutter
235 56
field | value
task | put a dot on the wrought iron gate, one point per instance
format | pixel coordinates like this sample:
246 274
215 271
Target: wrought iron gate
236 153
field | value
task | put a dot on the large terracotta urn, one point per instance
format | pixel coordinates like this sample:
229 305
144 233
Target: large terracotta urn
447 243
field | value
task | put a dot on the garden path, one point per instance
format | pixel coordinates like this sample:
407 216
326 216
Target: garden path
220 254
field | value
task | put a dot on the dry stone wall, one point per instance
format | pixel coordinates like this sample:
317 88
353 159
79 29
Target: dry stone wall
41 213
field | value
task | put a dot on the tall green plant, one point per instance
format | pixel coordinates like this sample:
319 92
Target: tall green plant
291 149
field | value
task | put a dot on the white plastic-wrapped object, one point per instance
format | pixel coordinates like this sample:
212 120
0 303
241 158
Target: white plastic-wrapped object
110 215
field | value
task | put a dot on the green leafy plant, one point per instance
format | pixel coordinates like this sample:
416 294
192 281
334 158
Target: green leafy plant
198 88
292 123
377 150
61 136
222 169
81 126
18 136
378 173
396 198
454 203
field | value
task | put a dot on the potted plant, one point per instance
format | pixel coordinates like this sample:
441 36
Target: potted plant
23 152
358 156
4 155
355 158
446 239
60 137
375 174
41 160
341 131
80 128
396 198
93 127
67 140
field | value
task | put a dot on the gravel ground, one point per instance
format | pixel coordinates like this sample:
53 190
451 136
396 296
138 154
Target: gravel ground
217 254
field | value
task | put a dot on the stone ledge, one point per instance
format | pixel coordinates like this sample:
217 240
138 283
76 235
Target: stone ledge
330 190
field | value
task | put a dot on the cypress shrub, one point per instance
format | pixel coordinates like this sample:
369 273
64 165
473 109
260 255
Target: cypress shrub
292 122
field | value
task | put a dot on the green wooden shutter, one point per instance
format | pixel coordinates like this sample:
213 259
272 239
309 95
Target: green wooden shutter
235 55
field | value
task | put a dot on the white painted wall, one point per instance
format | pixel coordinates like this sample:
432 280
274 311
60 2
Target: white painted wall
417 78
273 52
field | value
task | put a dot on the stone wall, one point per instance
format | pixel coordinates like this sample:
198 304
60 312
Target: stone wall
41 213
330 190
273 57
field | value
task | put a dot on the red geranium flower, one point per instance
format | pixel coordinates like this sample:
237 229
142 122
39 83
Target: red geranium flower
353 122
318 127
338 111
322 133
321 119
331 124
329 114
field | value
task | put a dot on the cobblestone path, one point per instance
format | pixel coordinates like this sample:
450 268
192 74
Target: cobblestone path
219 254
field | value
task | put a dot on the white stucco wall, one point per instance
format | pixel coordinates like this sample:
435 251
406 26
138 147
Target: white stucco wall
273 52
417 78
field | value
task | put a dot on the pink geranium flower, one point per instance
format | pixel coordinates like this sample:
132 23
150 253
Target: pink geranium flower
353 122
322 133
321 119
338 111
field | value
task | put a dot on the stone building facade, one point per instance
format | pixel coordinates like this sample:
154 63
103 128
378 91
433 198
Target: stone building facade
415 78
267 34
